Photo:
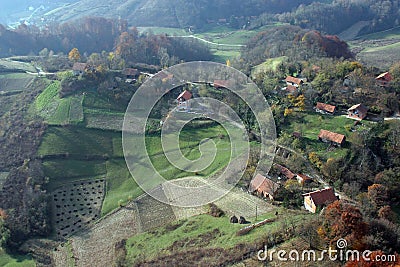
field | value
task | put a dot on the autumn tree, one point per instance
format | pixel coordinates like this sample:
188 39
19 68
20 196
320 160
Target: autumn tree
378 195
343 220
74 55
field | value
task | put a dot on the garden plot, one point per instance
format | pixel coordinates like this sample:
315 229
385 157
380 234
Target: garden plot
76 206
153 213
14 82
104 121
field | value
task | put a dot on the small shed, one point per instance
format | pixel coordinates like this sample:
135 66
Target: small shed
184 100
331 137
325 108
79 68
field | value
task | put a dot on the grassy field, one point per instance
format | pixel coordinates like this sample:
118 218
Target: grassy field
163 30
56 110
80 144
7 260
310 124
200 231
393 33
269 64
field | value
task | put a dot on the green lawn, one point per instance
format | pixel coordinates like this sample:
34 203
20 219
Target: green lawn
7 260
163 30
310 124
269 64
77 141
80 144
56 110
393 33
193 232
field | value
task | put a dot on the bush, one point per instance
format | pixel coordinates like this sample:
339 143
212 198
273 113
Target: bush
215 211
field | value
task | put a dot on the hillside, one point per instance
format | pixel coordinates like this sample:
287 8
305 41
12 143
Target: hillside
174 13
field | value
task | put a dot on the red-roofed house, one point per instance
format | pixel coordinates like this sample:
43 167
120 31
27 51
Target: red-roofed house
303 179
384 79
79 68
285 171
264 187
221 84
325 108
314 201
294 81
357 112
331 137
184 100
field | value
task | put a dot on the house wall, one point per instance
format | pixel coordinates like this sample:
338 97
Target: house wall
309 204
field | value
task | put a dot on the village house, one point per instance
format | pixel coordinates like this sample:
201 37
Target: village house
131 73
325 108
263 187
79 68
288 174
316 200
331 137
357 112
303 179
296 82
184 101
383 79
221 84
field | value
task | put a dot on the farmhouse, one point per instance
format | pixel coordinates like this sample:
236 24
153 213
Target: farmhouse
130 73
79 68
184 100
315 200
325 108
383 79
303 179
357 112
294 81
330 137
263 187
285 172
221 84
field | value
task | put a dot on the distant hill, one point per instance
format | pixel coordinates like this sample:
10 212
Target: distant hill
174 13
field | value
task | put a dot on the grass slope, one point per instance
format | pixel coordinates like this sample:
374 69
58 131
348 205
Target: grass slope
201 231
8 260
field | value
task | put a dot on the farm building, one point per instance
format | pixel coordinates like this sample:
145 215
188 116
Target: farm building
331 137
79 68
285 171
383 79
315 200
263 187
303 179
325 108
184 100
294 81
131 73
221 84
357 112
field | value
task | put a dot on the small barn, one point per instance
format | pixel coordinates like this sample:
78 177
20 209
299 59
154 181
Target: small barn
288 174
184 100
316 200
79 68
384 79
357 112
331 137
290 80
263 187
325 108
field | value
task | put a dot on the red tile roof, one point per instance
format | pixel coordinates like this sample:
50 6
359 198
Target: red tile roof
185 95
285 171
331 136
325 107
221 83
323 196
263 184
360 109
294 80
384 76
291 88
130 72
79 66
